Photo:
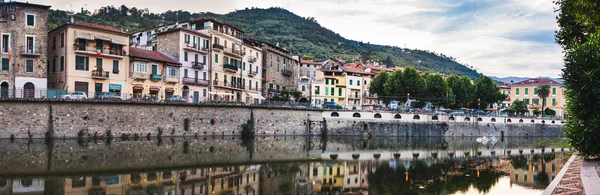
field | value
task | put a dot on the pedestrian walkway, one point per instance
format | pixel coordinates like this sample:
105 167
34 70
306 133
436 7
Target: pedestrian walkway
571 180
590 177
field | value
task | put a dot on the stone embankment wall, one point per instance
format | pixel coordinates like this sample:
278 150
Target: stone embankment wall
64 119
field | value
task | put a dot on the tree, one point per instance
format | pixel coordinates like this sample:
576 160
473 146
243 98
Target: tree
579 36
437 90
462 89
543 93
412 82
487 91
518 107
393 86
377 84
388 61
550 112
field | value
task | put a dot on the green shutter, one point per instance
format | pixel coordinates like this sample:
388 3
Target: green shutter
5 63
526 91
185 56
326 81
554 91
185 73
517 92
30 20
535 90
339 91
553 101
216 58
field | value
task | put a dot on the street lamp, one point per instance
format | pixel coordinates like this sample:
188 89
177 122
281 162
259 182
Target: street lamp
478 104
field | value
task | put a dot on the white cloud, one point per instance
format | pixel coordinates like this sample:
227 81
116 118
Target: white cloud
500 38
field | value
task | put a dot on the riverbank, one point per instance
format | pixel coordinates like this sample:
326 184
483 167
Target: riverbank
578 176
85 119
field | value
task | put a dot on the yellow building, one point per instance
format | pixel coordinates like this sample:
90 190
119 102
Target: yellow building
327 176
153 74
335 87
91 58
527 91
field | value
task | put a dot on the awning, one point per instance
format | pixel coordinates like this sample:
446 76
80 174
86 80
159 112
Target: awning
220 93
138 87
119 41
102 37
169 90
256 96
84 35
154 88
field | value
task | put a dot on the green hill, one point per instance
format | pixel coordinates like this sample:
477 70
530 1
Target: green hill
300 35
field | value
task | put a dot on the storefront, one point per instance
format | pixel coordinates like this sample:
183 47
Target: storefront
115 88
137 92
154 91
169 92
256 98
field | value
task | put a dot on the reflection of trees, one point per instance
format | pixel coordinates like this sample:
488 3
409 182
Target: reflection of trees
444 177
549 157
518 162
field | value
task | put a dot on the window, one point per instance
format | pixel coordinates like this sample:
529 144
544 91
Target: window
62 63
326 91
54 65
526 100
339 91
332 92
141 67
185 73
30 20
358 83
554 101
535 91
172 72
196 57
536 101
303 88
256 69
526 91
271 63
326 81
28 65
216 58
244 66
62 40
54 43
5 43
81 63
553 91
154 68
115 68
99 64
5 64
204 60
350 81
203 92
185 56
29 44
318 90
277 66
517 91
204 76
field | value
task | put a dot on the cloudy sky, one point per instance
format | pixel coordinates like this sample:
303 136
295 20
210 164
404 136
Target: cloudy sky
497 37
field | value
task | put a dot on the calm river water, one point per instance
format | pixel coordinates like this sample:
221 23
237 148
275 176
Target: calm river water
280 165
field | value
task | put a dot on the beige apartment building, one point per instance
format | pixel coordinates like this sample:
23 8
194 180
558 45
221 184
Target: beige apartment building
90 58
527 91
23 45
153 74
252 65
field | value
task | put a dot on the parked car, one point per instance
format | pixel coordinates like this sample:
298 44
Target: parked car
458 112
108 96
331 105
439 112
78 95
176 98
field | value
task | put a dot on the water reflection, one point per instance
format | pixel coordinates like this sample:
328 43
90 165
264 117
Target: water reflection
278 165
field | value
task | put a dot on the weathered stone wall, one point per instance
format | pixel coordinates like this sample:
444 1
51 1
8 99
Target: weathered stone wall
508 129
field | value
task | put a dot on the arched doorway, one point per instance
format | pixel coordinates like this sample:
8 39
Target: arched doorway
185 92
29 90
4 90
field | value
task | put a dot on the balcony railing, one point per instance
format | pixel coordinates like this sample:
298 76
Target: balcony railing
217 46
155 77
230 85
195 81
252 73
230 68
91 50
140 75
354 96
252 59
274 91
234 52
198 65
196 48
172 79
286 72
98 74
30 51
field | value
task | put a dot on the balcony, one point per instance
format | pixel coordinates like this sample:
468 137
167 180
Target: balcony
230 68
195 81
140 75
172 79
276 91
196 48
98 74
234 52
229 85
354 97
30 51
217 46
252 59
286 72
198 65
93 51
155 77
252 73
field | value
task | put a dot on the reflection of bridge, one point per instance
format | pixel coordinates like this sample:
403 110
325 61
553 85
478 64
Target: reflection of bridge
441 154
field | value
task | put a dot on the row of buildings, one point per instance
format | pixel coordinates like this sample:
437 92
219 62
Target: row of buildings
199 60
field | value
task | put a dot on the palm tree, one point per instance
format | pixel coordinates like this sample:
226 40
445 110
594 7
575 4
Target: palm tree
543 92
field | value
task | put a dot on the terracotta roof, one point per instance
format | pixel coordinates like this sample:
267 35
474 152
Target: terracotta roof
310 62
97 26
151 55
354 68
537 81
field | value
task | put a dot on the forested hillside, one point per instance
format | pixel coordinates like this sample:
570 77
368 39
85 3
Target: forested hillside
300 35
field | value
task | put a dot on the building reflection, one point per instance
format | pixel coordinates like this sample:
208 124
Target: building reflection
536 171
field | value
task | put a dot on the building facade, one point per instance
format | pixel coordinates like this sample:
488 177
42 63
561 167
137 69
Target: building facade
527 91
89 58
23 46
153 74
280 70
252 71
307 73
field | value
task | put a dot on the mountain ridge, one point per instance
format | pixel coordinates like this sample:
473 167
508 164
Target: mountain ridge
299 35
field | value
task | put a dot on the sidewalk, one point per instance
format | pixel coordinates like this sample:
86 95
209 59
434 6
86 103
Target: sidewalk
577 177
